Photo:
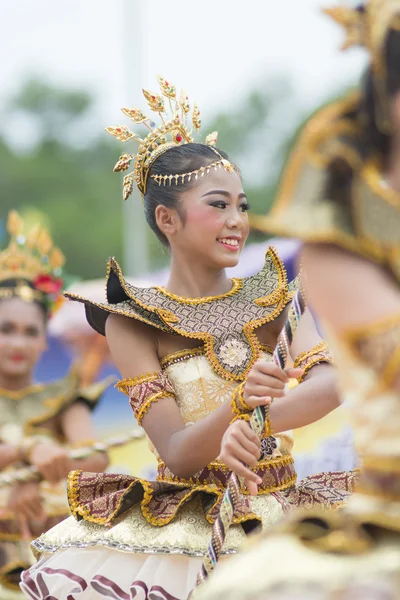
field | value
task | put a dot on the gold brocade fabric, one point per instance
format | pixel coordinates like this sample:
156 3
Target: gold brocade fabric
175 515
25 413
151 521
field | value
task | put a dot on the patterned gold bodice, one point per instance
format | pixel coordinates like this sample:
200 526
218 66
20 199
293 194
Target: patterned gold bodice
199 391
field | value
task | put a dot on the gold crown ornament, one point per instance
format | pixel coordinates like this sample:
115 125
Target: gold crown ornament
369 28
32 263
173 131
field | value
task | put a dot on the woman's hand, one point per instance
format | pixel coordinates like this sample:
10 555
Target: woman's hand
240 449
51 460
265 382
240 446
25 501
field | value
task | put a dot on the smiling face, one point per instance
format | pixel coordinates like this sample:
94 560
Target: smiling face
22 338
211 224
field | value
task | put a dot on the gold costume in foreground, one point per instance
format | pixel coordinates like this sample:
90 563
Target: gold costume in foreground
354 553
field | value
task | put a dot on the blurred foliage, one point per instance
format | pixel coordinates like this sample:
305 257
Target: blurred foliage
67 175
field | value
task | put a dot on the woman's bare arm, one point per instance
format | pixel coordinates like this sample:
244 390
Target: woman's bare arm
316 396
308 402
77 426
184 450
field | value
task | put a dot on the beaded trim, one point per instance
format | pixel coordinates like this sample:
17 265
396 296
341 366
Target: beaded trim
241 417
237 285
264 465
39 548
218 164
238 403
181 356
267 424
310 358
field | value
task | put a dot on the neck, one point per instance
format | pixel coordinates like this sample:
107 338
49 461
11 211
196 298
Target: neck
196 281
393 166
15 383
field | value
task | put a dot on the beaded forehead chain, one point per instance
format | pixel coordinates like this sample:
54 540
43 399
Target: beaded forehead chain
173 131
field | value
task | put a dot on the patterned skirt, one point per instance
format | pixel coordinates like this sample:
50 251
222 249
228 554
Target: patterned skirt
132 538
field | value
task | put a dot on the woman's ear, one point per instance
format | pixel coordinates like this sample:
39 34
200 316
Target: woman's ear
168 220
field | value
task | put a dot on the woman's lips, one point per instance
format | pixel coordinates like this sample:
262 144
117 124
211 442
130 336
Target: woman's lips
17 357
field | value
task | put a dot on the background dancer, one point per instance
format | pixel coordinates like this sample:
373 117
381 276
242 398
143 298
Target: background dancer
38 422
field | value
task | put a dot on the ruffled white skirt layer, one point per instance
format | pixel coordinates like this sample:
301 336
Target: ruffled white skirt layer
103 573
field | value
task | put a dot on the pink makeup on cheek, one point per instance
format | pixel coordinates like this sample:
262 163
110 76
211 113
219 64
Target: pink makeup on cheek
207 215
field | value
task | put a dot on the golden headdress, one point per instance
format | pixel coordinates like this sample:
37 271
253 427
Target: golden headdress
369 28
173 131
30 266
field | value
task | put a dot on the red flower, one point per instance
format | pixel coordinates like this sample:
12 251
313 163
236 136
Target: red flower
48 284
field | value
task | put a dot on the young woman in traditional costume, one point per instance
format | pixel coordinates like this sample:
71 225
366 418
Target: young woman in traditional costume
195 356
37 421
341 195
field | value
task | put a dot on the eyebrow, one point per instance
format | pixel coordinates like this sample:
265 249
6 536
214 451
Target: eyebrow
223 193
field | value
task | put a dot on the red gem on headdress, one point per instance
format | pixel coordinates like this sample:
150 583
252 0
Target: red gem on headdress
166 83
179 138
118 129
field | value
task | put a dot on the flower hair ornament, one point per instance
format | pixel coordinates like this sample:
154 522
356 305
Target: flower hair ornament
31 266
173 131
369 28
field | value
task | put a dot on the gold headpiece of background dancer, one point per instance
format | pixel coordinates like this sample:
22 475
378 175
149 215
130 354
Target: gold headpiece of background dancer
32 263
173 131
369 28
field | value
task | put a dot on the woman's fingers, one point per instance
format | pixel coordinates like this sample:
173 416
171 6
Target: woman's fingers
252 487
264 391
294 373
248 458
271 369
242 471
251 442
254 401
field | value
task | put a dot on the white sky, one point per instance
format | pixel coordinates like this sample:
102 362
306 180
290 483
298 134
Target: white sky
214 48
